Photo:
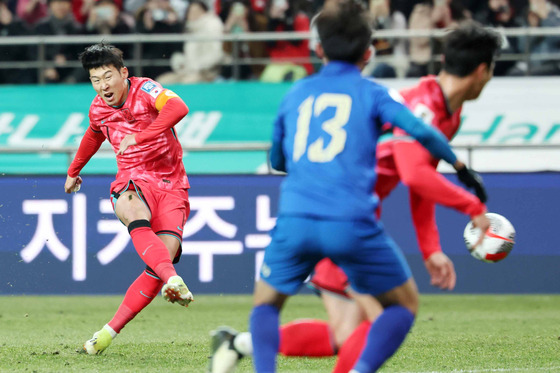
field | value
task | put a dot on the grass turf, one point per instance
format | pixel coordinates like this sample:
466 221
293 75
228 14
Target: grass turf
459 333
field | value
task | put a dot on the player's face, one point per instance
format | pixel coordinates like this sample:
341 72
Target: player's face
110 84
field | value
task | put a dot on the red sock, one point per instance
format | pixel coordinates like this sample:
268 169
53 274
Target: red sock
306 338
151 249
138 296
352 348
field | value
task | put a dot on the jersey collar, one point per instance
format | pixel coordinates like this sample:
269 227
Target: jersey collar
339 67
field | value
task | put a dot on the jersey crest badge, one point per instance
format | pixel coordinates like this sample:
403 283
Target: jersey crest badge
151 89
127 115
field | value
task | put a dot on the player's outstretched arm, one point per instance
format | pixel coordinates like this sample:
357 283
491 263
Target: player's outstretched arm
437 144
429 137
90 144
417 170
171 110
439 266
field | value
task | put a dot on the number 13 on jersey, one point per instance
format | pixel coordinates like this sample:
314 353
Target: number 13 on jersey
313 107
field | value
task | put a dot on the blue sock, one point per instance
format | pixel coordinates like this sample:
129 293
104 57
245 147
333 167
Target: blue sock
384 338
264 323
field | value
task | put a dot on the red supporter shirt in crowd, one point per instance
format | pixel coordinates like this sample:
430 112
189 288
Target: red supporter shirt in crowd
158 157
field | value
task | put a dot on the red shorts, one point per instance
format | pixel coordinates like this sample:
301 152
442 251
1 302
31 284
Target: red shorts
169 208
329 277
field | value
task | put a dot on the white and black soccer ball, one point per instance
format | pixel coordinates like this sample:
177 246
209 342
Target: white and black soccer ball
498 240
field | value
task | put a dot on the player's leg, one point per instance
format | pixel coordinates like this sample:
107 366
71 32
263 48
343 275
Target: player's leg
138 296
289 259
142 291
264 326
145 288
303 337
307 337
312 337
168 221
376 267
133 211
351 347
390 328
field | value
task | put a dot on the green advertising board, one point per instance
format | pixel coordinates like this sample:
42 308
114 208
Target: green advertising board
45 118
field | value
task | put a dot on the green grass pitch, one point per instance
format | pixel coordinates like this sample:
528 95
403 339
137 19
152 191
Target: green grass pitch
452 333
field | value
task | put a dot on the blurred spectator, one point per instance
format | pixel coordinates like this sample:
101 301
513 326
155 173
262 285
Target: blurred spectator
429 15
200 60
542 13
10 25
105 18
387 18
81 9
475 6
179 6
157 17
32 11
287 15
502 14
60 21
12 6
240 17
256 6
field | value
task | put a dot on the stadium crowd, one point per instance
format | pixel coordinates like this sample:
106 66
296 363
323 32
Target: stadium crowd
204 61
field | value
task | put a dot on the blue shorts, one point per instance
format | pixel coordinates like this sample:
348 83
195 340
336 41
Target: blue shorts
372 261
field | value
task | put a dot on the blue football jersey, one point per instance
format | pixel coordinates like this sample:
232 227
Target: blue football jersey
325 138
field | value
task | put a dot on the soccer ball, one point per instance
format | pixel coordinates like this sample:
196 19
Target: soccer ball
498 240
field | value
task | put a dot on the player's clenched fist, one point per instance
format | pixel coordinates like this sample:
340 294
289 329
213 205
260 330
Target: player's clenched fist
72 184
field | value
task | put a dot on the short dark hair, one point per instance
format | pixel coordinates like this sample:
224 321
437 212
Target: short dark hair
101 54
345 31
468 46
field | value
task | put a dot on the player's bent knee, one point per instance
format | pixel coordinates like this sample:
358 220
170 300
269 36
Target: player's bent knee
129 208
409 297
405 295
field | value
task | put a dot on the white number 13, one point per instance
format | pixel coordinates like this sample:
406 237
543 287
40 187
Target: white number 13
317 152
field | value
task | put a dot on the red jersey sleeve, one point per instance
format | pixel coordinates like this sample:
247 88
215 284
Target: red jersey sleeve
171 110
424 219
89 145
417 170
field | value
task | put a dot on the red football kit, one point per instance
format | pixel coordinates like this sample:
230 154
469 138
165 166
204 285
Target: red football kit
401 158
153 167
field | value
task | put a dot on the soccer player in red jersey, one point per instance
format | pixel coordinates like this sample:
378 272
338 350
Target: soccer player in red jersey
150 192
469 57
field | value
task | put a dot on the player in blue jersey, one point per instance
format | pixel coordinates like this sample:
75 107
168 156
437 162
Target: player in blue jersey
325 138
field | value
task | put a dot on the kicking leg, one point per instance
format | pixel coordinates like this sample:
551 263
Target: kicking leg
156 252
134 213
139 295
